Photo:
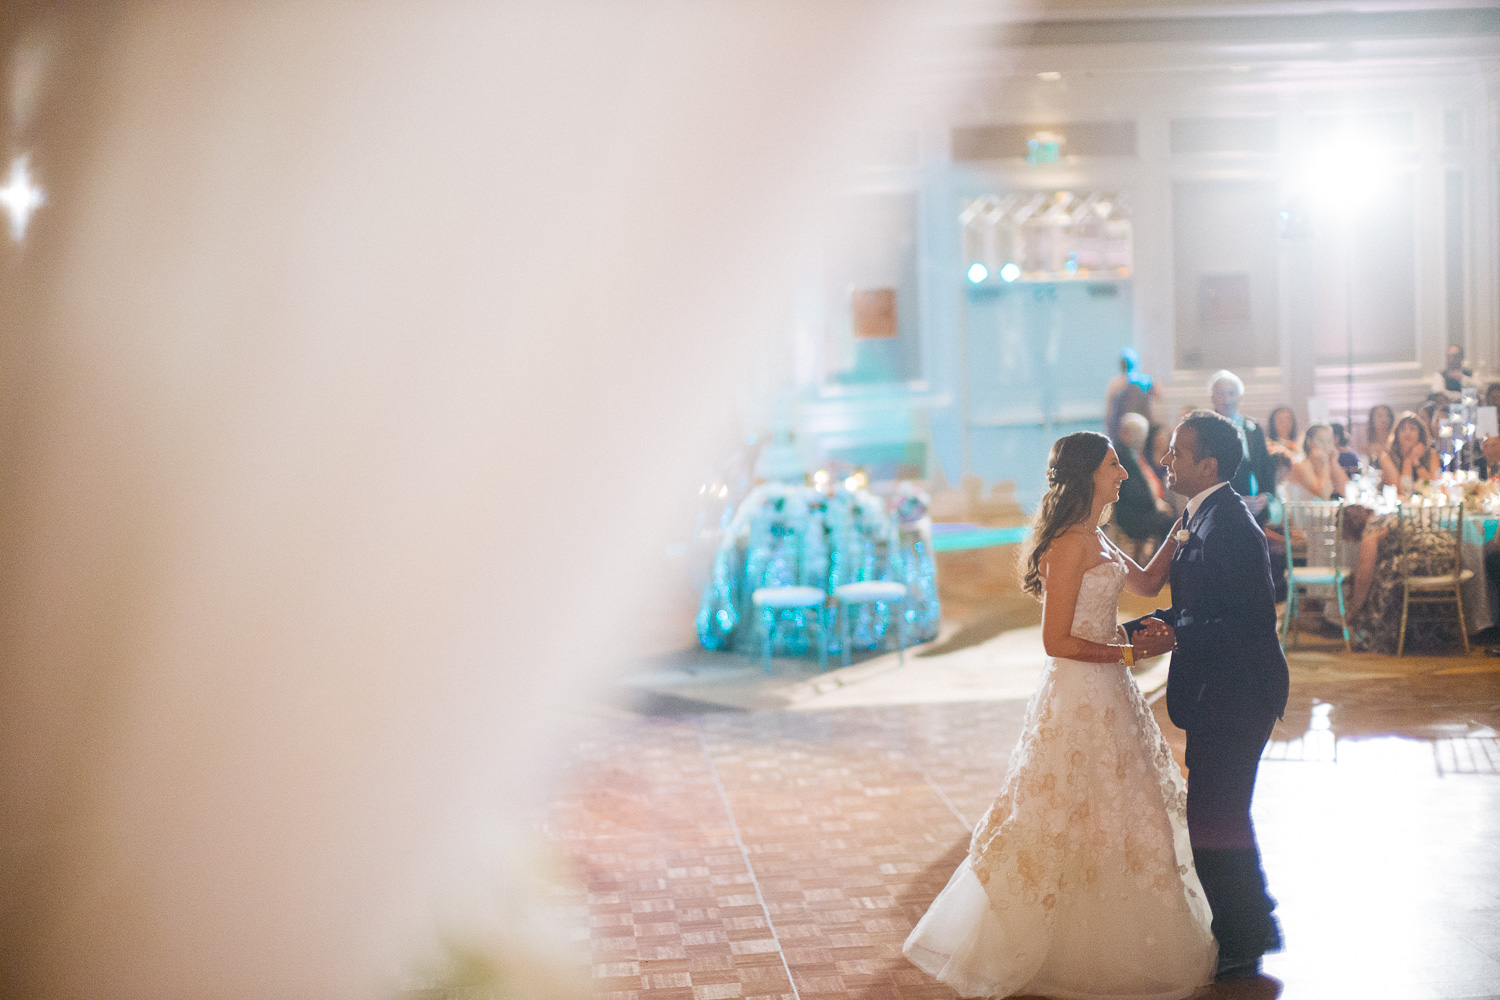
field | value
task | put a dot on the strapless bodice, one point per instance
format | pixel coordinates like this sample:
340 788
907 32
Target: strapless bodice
1095 616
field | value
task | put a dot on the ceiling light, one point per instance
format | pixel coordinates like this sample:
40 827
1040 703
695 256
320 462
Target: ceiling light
20 197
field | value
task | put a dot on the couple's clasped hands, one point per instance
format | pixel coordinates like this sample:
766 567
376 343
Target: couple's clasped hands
1153 638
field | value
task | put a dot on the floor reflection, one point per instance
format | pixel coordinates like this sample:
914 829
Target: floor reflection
781 853
1379 820
1317 742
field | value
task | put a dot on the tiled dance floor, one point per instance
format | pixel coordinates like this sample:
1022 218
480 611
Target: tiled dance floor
784 854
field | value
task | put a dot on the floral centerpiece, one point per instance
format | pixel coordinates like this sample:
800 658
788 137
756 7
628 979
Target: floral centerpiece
1482 494
1454 488
909 503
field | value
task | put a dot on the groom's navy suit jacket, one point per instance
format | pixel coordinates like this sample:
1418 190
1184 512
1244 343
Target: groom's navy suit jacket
1228 662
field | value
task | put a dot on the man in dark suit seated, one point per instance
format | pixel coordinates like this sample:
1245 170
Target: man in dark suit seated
1142 512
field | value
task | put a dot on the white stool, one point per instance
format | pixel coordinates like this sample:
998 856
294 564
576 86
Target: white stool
772 600
873 592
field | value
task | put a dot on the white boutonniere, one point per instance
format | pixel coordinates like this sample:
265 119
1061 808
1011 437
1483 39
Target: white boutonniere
1182 536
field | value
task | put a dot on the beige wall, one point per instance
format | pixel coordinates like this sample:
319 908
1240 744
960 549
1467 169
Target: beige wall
1197 213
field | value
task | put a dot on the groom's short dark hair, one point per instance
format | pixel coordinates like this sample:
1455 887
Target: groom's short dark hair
1216 437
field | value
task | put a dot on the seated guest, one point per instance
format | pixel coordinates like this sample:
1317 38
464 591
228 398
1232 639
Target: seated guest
1378 426
1281 468
1437 412
1375 604
1454 375
1408 460
1281 433
1318 475
1375 601
1348 460
1142 512
1485 462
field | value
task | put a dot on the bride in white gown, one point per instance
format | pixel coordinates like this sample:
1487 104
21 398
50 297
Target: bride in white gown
1079 881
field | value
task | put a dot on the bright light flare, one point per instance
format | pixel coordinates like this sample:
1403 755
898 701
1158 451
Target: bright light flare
1346 174
1010 272
978 272
20 197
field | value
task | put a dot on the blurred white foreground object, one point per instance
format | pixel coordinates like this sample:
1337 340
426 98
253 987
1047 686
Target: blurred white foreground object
341 320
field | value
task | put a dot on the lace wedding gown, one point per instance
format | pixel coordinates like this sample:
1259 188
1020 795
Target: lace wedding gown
1079 881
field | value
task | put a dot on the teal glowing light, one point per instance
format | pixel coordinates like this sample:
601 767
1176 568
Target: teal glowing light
1042 150
978 272
1010 272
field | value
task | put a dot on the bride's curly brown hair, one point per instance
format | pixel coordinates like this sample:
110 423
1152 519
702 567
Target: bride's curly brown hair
1069 499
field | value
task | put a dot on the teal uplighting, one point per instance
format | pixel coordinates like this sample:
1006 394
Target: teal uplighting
1042 150
978 272
1010 272
967 538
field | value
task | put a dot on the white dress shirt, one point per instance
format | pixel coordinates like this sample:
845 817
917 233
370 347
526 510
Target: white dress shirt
1197 501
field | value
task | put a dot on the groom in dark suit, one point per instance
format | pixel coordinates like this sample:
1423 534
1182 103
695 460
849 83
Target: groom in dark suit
1228 681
